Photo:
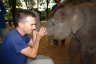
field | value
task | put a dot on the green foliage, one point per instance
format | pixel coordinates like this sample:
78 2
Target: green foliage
29 4
43 14
8 13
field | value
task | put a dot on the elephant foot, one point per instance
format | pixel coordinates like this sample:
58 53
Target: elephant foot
69 62
55 42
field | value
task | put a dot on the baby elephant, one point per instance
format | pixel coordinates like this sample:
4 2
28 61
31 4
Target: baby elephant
80 21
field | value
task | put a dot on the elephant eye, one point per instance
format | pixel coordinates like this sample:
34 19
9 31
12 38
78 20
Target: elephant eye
53 24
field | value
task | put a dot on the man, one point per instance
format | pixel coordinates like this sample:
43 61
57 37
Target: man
2 21
17 46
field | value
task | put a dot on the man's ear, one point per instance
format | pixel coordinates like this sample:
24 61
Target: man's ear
20 24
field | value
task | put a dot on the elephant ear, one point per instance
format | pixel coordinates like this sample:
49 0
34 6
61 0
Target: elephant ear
78 20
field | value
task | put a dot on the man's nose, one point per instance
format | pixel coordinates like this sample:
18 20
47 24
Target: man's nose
34 27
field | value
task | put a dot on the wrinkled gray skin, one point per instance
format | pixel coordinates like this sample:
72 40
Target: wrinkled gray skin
80 21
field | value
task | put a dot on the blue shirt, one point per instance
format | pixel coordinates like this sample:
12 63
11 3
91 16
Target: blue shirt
11 46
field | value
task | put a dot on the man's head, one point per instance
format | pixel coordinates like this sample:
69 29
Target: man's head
57 1
25 21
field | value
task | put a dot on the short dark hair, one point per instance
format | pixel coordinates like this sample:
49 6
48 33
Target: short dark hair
23 13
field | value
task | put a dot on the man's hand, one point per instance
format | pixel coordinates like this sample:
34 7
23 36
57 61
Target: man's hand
42 32
38 35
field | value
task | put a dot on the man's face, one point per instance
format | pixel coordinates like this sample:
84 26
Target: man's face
29 25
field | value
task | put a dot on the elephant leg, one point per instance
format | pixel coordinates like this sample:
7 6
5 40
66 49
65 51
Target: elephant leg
86 58
55 42
73 50
49 40
63 42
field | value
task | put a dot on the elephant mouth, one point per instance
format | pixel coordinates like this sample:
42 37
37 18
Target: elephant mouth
49 30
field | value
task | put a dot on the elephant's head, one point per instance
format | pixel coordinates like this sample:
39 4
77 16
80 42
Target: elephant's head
65 20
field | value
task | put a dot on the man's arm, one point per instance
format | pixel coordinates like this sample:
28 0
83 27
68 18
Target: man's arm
31 51
32 41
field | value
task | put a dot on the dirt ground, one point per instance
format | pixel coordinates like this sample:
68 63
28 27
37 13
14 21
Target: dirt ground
59 54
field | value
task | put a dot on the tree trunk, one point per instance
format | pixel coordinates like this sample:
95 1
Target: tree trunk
12 4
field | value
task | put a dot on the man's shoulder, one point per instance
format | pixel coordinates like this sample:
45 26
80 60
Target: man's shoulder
12 34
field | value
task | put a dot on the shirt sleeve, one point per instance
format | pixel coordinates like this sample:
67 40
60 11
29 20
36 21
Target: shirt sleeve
27 38
19 43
